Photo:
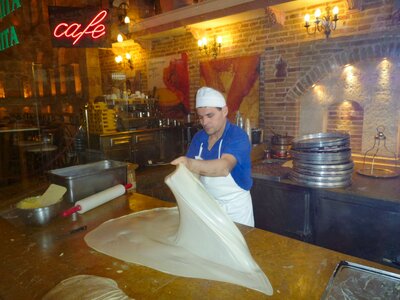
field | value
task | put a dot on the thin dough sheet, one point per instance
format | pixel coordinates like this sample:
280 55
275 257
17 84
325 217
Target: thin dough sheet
195 239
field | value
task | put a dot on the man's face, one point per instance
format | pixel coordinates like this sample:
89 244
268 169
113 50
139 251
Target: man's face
212 119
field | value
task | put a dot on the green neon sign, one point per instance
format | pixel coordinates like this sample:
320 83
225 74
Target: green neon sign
7 7
8 36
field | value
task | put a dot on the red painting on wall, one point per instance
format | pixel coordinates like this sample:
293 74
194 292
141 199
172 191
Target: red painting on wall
170 78
238 79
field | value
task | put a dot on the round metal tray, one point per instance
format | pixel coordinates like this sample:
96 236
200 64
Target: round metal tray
319 184
378 173
321 140
322 168
342 147
324 173
326 158
323 185
321 179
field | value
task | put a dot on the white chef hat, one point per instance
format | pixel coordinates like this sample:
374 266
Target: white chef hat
208 97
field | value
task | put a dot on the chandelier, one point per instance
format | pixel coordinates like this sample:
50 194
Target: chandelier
325 24
210 49
125 60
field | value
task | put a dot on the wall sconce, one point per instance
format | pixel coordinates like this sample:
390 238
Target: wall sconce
122 11
324 24
212 49
120 38
126 61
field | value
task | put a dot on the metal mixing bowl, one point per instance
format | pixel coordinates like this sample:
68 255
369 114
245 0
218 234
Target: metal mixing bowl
39 216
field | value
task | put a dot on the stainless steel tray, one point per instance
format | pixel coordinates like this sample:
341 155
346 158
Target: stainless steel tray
314 182
321 140
323 168
378 173
324 173
84 180
328 158
326 149
354 281
318 178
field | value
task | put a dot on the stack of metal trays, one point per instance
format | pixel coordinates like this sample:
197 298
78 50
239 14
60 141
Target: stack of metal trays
322 160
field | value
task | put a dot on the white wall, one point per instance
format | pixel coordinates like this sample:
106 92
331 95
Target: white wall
374 84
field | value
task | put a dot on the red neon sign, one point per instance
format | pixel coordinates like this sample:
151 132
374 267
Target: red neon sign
94 28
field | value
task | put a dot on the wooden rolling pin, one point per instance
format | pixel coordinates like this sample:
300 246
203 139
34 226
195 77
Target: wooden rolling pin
97 199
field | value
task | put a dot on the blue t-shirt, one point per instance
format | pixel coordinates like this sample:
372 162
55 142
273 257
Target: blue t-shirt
235 142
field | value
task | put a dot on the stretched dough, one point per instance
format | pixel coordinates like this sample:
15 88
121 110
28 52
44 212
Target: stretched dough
86 287
196 239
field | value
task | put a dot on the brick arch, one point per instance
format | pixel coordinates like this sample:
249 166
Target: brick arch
353 54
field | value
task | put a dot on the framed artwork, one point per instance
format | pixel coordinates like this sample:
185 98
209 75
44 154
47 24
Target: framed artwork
238 79
169 77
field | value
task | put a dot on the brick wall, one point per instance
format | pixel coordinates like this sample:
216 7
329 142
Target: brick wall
360 34
348 117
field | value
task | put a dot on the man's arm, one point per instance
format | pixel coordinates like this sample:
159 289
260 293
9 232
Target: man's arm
212 168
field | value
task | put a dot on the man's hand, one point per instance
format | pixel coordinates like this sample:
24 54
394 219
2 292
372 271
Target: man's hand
181 160
186 162
213 168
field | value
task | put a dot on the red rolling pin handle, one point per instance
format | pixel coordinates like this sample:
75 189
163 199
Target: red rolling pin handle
77 208
71 210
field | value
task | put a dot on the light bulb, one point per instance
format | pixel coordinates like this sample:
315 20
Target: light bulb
200 43
219 39
335 11
118 59
204 40
128 56
120 39
307 18
127 20
317 13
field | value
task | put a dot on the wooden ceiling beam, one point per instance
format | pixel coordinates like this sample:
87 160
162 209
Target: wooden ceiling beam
197 13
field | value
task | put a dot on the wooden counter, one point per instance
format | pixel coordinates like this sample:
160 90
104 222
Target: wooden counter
34 260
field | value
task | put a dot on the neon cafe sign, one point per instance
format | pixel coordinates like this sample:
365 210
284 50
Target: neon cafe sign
75 31
70 27
8 36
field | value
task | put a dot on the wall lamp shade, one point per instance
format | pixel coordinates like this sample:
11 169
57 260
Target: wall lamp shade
118 59
126 60
210 49
325 24
122 12
120 38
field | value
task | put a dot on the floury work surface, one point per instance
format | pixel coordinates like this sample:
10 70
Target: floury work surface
197 240
295 269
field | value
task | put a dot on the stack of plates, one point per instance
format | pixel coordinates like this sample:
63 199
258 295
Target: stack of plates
322 160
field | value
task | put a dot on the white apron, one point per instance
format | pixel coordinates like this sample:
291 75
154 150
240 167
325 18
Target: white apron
232 198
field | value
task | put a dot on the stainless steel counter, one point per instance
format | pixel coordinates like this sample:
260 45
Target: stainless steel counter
387 189
139 146
361 219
